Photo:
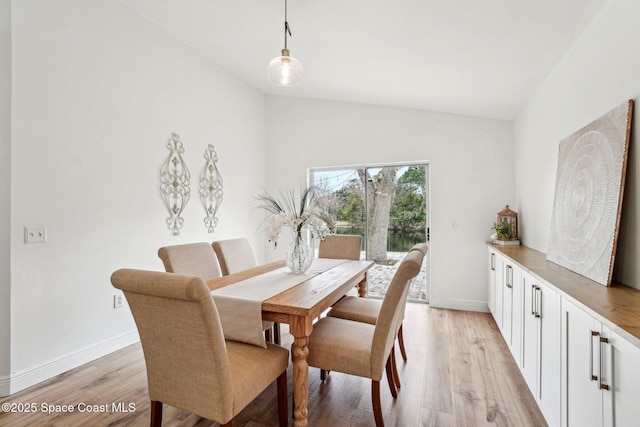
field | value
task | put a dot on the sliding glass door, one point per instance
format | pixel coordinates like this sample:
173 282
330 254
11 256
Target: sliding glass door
387 205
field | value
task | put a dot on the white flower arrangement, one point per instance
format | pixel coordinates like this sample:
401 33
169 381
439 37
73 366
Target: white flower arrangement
286 212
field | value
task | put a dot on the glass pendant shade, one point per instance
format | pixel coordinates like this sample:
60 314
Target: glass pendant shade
285 70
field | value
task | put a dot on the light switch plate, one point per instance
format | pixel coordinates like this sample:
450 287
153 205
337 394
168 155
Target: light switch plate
37 234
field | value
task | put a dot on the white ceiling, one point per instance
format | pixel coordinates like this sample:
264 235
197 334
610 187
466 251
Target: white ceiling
481 58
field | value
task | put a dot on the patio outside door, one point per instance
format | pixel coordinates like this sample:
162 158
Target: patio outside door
387 205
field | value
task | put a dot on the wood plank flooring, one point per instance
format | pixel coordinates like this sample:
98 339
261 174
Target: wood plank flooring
459 373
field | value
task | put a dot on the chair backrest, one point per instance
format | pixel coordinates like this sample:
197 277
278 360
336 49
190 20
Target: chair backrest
182 341
422 247
194 259
340 246
234 255
391 311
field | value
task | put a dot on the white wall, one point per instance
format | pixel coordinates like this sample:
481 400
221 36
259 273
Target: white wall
470 164
600 72
97 91
5 189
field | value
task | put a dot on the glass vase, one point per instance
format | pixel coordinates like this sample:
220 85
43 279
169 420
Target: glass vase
299 255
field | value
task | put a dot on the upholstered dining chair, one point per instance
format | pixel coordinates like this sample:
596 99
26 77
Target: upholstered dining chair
237 255
195 259
340 246
234 255
364 349
367 310
189 364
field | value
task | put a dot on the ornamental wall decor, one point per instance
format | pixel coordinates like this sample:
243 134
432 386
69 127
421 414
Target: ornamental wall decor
590 181
174 184
210 188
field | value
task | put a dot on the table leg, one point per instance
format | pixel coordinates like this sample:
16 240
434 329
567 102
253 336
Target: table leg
362 287
300 328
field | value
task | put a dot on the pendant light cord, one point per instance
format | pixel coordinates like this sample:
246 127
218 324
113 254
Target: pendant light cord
287 29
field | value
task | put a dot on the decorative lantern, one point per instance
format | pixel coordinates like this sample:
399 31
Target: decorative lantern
506 225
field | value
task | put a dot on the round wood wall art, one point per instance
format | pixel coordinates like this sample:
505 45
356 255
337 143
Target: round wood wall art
588 196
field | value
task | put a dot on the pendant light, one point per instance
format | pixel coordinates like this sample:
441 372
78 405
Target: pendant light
285 70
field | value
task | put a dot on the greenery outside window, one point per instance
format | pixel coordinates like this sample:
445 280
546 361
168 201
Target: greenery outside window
385 204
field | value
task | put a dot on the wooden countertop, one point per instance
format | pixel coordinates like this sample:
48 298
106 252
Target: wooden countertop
616 306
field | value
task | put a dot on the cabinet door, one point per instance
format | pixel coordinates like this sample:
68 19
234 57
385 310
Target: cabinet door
516 314
529 361
491 292
549 364
512 308
622 374
582 399
507 300
497 314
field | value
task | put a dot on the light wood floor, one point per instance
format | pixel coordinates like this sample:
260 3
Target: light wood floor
459 373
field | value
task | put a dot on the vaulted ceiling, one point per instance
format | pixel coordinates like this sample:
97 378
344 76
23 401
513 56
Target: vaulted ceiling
482 58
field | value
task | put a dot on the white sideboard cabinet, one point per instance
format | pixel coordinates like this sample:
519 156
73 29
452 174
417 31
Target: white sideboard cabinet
602 382
505 299
512 306
495 289
576 342
541 357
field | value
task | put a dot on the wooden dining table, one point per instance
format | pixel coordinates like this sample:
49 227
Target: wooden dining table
298 307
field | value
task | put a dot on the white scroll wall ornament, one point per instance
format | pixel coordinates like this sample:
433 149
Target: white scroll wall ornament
174 184
210 188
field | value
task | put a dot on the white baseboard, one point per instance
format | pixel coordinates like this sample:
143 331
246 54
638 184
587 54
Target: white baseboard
19 381
458 304
5 386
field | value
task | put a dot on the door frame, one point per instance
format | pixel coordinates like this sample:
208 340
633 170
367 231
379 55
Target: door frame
424 163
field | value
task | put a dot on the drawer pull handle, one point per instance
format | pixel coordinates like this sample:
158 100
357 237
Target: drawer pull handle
533 298
602 385
538 299
592 335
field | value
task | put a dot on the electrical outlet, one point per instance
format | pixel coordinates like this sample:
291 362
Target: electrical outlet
118 300
35 234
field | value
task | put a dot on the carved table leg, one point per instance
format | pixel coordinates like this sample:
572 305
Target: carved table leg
362 287
300 328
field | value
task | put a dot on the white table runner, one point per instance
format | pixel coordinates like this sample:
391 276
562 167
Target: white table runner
240 304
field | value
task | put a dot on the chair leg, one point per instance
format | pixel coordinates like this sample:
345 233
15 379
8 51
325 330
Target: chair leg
156 413
390 380
267 335
396 377
401 342
283 410
375 400
276 333
323 375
